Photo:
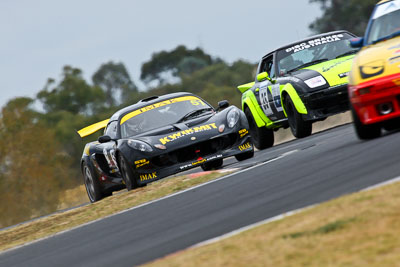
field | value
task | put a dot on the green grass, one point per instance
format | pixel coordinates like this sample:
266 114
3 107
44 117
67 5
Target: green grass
56 223
361 229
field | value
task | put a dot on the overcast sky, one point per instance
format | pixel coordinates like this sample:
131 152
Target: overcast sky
39 37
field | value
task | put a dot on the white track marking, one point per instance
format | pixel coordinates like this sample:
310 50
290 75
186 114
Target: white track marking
151 202
280 217
248 227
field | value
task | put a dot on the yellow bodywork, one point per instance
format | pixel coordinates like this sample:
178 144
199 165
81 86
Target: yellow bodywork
376 61
93 128
194 100
383 1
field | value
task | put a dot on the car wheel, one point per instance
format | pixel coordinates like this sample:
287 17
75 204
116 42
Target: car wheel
365 131
92 184
244 156
215 164
299 127
262 137
127 174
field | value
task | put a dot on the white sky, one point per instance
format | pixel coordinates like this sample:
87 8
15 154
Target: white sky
39 37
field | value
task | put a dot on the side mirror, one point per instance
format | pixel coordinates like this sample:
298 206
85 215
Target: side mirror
263 76
223 104
357 42
104 139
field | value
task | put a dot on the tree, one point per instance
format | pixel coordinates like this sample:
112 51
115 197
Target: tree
351 15
115 81
215 82
34 170
176 62
72 94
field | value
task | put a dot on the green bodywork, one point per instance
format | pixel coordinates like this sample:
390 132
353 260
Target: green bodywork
244 87
330 69
249 100
288 89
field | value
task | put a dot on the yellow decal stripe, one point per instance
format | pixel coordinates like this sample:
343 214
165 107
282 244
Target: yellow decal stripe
157 105
92 128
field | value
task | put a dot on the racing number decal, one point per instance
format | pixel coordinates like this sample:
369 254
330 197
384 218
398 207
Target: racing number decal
196 102
264 100
276 95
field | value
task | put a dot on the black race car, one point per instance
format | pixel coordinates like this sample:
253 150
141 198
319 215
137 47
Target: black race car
160 136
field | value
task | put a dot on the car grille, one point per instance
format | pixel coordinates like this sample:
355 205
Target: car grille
328 98
193 152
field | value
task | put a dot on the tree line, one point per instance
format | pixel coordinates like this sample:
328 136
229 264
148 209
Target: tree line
40 150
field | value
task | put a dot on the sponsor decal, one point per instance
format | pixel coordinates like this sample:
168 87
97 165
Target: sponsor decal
245 146
315 42
175 136
343 75
193 100
200 161
141 163
243 133
148 176
325 69
372 69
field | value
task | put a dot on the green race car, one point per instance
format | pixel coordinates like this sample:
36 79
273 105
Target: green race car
297 85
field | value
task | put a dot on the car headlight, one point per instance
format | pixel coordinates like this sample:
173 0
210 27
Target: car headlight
139 145
315 82
232 117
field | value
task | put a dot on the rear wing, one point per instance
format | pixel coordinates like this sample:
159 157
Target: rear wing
93 128
244 87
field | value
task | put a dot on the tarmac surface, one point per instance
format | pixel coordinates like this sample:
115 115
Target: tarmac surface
286 177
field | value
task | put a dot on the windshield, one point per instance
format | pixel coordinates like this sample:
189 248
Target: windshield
385 22
314 51
161 114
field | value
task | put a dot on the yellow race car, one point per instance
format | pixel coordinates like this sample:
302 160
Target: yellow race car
374 80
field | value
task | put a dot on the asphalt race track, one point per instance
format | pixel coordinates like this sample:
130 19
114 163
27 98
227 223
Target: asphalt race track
284 178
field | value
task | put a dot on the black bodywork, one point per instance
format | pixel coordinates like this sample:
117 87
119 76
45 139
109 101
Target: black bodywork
174 148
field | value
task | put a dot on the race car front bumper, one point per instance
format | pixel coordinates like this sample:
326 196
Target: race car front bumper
189 157
377 100
326 102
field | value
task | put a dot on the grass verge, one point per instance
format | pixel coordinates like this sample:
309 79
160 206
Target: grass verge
361 229
58 222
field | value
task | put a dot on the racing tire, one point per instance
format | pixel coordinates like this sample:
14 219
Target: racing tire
92 184
215 164
244 156
365 132
299 127
262 137
127 173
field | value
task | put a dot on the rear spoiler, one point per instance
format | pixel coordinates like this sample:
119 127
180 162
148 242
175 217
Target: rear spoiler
244 87
93 128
